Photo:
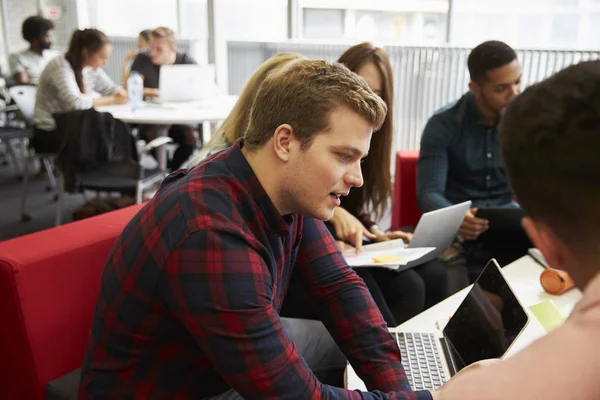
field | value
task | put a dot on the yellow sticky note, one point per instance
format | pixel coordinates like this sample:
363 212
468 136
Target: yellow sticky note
548 314
387 259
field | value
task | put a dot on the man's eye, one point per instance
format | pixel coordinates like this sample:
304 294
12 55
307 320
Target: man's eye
345 157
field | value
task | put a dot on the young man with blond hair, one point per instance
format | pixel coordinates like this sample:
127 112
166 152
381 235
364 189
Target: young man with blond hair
163 51
190 296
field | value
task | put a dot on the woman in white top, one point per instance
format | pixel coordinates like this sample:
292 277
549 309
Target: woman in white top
74 82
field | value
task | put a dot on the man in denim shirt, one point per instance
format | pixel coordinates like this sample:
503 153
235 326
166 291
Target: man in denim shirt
459 158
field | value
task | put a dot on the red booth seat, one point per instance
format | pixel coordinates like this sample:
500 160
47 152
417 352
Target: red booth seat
49 282
405 211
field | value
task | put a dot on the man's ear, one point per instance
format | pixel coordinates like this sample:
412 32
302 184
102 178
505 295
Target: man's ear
282 140
473 87
546 242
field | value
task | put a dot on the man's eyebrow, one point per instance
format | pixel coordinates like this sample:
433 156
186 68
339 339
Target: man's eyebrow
355 152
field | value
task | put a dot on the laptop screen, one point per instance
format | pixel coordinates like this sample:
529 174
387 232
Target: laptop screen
487 322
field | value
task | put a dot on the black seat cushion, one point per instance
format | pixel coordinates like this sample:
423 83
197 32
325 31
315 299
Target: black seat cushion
65 387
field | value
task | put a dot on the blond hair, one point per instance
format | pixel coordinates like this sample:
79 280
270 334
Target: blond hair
164 32
234 126
303 94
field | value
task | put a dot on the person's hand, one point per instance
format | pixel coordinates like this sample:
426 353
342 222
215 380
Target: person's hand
381 236
151 92
349 229
121 97
472 227
131 54
344 246
439 395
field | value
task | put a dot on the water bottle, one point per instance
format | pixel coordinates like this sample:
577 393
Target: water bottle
135 90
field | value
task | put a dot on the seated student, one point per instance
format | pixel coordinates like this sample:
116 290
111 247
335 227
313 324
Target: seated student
406 293
549 143
27 65
234 126
143 44
459 157
163 51
190 295
74 81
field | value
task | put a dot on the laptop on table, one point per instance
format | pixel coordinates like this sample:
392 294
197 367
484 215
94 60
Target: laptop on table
186 83
434 233
485 325
438 229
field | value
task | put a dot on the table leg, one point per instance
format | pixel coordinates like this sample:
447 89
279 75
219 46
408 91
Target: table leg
206 132
161 152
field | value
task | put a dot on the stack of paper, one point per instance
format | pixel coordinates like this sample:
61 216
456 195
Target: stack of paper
391 254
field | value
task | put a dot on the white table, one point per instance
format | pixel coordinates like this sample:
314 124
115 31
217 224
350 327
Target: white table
163 115
523 275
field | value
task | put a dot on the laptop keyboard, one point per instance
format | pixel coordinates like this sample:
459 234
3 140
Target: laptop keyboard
421 360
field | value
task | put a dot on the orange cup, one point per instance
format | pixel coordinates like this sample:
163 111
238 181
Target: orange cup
555 281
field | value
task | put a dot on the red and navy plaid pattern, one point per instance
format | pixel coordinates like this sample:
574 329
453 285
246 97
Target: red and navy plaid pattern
189 299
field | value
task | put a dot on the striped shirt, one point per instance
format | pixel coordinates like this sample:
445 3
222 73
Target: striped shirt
58 91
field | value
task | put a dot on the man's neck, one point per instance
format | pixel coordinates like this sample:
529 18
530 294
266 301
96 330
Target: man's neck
173 58
263 169
36 49
489 117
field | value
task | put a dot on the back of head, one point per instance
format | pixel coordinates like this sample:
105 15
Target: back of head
35 27
91 40
146 34
377 189
303 94
549 138
488 56
234 126
162 32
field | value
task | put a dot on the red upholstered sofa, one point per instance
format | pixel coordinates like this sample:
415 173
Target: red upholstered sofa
405 211
49 282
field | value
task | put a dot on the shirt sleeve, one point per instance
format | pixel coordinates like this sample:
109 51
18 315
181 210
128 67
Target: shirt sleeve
347 309
432 167
221 290
187 59
103 84
561 365
15 65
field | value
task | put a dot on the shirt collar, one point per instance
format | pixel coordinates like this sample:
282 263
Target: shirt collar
241 169
474 111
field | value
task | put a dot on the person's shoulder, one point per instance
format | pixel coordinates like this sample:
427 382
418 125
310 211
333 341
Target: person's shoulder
184 58
453 110
142 58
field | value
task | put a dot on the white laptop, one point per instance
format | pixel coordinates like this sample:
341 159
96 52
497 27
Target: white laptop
438 229
186 83
434 233
485 325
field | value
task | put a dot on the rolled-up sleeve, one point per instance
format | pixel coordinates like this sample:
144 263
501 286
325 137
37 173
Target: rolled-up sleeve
432 167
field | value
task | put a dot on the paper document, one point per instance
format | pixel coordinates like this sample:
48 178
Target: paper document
391 254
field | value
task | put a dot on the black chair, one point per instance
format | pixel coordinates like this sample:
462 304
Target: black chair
98 153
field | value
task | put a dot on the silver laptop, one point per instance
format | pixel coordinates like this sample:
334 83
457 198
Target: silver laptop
485 325
186 82
438 229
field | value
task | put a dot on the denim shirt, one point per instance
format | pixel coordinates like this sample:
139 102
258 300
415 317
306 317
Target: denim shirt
460 160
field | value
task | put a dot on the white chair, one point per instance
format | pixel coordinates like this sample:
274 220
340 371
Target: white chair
24 98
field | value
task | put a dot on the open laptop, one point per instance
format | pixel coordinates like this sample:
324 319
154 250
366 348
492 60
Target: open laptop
186 83
438 229
485 325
